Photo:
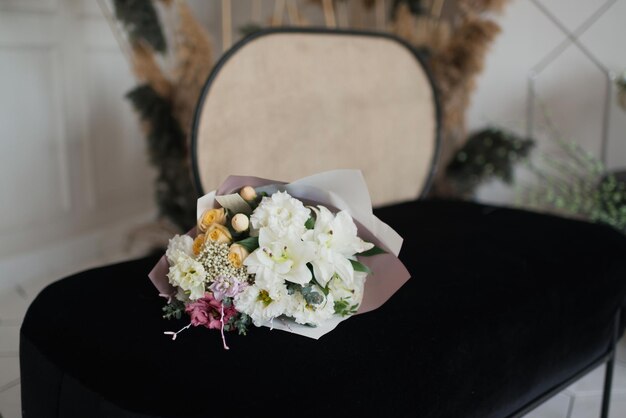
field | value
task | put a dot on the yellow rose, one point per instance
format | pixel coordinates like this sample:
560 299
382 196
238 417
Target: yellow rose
218 233
237 254
211 216
198 243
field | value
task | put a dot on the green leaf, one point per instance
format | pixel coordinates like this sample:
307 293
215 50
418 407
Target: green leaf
325 290
360 267
242 323
343 308
372 251
173 310
311 296
250 243
310 223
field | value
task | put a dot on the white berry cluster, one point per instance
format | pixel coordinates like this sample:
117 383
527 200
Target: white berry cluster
214 257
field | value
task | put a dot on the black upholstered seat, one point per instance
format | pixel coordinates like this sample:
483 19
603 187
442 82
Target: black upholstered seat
503 306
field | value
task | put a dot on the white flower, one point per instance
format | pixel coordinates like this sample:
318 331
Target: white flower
337 242
189 275
308 314
280 259
262 304
181 295
353 294
282 214
180 246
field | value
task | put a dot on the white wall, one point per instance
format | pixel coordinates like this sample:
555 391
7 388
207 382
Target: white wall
571 88
74 176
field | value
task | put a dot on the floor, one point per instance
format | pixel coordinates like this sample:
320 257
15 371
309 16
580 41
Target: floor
581 400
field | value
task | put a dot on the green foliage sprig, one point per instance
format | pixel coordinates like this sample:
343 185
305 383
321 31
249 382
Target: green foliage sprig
489 153
344 308
175 194
240 322
574 182
141 20
174 309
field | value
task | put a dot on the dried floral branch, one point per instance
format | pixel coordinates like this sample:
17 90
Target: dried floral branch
141 21
482 6
194 60
148 71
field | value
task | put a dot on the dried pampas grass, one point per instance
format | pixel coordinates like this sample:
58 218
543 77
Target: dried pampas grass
368 4
148 71
404 25
194 60
455 68
422 31
481 6
463 58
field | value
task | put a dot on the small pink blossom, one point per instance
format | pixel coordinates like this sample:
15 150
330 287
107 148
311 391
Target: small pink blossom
207 311
226 286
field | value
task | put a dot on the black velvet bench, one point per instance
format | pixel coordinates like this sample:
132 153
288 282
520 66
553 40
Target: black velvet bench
504 309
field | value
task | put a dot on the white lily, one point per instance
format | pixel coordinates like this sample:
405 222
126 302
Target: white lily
336 240
279 259
352 295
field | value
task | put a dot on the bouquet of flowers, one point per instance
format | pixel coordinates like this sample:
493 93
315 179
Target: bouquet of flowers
296 256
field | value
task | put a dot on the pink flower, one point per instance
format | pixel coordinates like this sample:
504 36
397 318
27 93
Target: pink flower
207 311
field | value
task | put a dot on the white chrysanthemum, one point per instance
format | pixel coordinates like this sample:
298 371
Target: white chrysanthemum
179 246
279 259
189 275
353 294
262 304
282 214
336 240
306 314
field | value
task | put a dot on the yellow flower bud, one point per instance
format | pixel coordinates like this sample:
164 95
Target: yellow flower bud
218 233
248 193
237 254
211 216
240 222
198 243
